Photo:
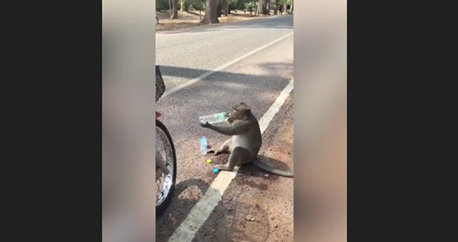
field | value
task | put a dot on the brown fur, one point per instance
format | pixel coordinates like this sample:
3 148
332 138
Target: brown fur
245 141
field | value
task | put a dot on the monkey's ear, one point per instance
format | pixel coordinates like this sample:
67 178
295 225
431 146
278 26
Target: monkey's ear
245 106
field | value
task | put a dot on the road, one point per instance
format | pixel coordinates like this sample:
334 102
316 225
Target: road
256 79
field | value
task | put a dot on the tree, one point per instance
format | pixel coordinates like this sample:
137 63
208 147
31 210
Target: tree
226 7
175 10
250 8
210 16
255 6
276 7
170 7
219 8
196 4
236 5
284 5
262 7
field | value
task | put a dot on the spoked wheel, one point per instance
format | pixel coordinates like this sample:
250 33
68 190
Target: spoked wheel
165 183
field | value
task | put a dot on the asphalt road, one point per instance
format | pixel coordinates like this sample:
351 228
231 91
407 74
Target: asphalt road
186 54
256 80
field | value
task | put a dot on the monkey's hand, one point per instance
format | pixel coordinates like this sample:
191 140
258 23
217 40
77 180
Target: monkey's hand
205 125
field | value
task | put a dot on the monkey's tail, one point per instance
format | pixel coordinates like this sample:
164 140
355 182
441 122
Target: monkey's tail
272 170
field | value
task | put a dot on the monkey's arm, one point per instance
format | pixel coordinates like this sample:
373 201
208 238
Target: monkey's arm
236 128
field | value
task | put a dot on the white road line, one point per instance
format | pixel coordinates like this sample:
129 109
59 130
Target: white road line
219 68
202 210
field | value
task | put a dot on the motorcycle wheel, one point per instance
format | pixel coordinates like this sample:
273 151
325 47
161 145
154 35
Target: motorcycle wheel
164 145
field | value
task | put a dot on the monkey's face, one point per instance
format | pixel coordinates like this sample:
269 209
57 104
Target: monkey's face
239 111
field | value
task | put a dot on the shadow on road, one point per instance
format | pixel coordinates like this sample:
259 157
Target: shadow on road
258 90
175 71
254 171
230 219
179 208
235 221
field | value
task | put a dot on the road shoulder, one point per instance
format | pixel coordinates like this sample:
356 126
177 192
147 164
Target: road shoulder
258 206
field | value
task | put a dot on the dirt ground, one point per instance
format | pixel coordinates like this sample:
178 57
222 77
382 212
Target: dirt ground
258 206
191 19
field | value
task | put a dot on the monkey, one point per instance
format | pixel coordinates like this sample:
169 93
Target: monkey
245 141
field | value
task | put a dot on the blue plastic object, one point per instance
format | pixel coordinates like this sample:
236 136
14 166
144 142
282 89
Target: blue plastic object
203 145
215 170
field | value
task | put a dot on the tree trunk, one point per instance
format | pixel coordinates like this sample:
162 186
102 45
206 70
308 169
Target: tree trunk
268 6
181 5
175 10
292 5
210 16
170 7
219 8
276 7
262 7
258 7
185 6
255 6
226 10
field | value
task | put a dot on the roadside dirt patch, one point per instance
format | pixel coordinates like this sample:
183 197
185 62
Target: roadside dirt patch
258 206
191 19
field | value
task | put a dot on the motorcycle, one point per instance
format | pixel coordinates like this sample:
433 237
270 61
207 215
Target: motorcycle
166 161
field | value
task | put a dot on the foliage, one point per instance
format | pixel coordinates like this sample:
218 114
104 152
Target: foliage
162 5
185 4
284 2
196 4
237 4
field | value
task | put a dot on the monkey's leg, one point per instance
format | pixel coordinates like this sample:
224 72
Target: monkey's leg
225 148
211 150
238 156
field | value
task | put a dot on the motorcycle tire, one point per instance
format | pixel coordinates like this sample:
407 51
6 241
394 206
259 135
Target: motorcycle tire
161 207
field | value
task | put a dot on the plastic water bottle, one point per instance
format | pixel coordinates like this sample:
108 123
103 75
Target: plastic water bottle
215 118
203 145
